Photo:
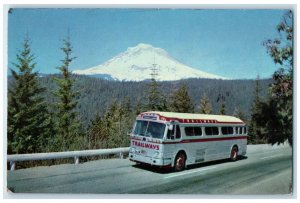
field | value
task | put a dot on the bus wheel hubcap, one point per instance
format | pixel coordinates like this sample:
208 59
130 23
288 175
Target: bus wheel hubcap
234 153
180 162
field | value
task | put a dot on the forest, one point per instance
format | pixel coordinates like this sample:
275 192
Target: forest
96 95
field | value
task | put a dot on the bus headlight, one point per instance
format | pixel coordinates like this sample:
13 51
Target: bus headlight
132 150
157 154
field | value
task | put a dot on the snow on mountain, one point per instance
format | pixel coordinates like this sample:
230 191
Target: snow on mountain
136 64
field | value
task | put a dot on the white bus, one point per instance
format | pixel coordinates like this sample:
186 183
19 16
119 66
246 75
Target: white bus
181 139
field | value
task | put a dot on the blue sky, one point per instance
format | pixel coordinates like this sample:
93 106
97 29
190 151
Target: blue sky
222 42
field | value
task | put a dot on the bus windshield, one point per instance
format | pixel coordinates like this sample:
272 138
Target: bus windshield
149 129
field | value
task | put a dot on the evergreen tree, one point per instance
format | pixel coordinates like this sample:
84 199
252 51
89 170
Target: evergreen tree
119 125
181 101
223 109
112 129
221 98
67 122
156 100
239 114
126 106
127 121
279 126
139 107
205 106
29 122
97 134
255 131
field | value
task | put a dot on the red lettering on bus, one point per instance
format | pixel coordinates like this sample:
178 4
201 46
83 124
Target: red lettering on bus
145 145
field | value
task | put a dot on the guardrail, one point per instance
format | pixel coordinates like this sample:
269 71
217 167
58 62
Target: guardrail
61 155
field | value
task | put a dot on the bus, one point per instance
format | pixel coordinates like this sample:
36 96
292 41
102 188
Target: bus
181 139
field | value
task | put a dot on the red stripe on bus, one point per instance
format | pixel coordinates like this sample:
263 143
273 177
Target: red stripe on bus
197 140
208 140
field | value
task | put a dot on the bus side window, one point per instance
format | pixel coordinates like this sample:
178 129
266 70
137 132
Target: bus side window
230 130
211 130
215 131
208 131
198 131
189 131
245 130
178 133
227 130
224 130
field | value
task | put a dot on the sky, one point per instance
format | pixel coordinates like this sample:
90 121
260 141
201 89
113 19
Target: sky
222 42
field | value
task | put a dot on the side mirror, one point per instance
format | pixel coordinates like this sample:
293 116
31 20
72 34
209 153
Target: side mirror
172 137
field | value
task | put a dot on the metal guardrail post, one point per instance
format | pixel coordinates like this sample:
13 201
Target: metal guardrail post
76 160
12 165
121 155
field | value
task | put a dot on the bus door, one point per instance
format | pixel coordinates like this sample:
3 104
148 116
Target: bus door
173 138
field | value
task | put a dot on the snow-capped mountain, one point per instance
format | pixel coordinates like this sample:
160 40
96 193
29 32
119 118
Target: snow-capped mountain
139 62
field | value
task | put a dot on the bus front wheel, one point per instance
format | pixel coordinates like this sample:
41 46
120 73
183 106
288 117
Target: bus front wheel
180 162
234 154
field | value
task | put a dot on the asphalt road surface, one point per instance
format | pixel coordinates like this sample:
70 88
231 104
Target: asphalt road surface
265 170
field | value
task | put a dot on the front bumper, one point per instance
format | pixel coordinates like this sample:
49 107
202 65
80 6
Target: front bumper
150 160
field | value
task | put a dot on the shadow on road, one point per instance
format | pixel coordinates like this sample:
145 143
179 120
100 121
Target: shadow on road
169 169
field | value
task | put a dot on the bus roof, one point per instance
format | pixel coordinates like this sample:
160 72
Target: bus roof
191 118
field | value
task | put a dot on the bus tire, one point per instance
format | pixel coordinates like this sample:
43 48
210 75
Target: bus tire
179 164
234 153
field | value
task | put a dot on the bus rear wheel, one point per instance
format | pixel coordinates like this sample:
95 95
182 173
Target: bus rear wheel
234 154
179 162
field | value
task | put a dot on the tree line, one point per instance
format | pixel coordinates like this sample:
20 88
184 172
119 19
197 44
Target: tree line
53 119
96 94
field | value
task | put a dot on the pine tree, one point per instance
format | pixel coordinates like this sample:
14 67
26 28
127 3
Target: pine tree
98 133
181 101
112 129
68 125
255 131
126 106
221 98
138 107
115 120
128 118
155 97
205 106
223 109
239 114
29 122
279 127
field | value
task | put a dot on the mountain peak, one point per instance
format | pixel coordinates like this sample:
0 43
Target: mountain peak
136 63
142 47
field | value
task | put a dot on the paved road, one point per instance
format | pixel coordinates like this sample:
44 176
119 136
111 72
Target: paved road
265 170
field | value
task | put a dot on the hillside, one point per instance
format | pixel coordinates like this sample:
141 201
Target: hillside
97 94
